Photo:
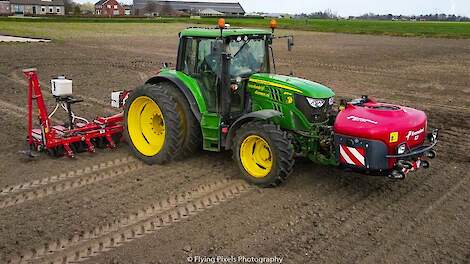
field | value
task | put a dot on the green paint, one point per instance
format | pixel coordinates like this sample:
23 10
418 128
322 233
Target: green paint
190 83
267 91
210 126
297 85
210 122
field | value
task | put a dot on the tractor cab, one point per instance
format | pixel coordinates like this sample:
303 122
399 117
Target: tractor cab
221 61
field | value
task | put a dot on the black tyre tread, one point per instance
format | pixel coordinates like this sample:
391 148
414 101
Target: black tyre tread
280 141
192 138
173 133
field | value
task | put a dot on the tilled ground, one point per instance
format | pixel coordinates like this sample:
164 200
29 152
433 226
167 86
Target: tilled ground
110 208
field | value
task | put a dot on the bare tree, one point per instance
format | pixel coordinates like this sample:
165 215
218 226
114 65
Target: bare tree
151 7
69 6
165 9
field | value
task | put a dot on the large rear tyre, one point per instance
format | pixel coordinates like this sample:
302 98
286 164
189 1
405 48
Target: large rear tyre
152 124
264 153
192 135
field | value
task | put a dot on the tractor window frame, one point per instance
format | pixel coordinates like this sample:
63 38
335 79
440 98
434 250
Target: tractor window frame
183 52
183 55
267 57
190 47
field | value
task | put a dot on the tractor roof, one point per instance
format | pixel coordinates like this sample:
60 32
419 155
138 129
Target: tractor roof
215 32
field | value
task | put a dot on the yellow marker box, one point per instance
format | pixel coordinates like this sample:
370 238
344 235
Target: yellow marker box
393 137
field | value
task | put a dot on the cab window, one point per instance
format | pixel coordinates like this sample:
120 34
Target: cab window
201 61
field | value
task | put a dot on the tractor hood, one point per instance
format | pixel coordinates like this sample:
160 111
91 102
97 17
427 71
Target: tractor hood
293 84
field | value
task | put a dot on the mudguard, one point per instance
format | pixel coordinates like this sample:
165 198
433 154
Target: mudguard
260 115
195 108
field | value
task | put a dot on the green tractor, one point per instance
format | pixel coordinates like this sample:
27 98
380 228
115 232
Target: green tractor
224 95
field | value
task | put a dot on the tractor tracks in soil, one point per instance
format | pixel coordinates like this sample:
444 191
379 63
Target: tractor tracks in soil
372 211
381 72
142 222
394 239
375 213
11 109
41 188
456 144
453 142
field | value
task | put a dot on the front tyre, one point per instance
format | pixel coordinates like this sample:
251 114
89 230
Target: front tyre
264 153
152 125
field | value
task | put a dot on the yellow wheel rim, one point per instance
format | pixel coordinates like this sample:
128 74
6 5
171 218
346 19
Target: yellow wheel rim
146 126
256 156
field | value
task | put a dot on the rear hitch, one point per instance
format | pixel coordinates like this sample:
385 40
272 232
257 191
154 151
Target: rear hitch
425 164
397 175
431 154
402 164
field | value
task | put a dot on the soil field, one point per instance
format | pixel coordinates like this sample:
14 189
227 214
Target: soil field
110 208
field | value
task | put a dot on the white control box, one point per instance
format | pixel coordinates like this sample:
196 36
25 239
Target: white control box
61 86
116 99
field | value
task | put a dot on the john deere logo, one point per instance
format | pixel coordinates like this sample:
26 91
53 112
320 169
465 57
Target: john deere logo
289 100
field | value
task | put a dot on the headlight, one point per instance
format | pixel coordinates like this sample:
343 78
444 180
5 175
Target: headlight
331 101
316 103
401 149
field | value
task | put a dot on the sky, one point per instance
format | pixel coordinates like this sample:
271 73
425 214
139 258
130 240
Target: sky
359 7
351 7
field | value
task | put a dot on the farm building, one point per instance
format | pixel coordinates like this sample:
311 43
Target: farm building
127 10
189 7
37 7
5 8
109 8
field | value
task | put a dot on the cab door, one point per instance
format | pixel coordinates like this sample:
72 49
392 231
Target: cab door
200 59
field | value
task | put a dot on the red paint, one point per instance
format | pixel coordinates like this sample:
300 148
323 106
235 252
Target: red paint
375 121
402 120
351 156
109 8
54 136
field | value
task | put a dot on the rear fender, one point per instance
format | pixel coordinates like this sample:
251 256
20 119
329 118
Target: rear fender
188 87
258 115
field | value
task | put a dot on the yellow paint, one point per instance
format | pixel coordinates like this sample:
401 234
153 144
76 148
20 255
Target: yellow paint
146 126
289 100
262 94
276 85
393 137
257 87
256 156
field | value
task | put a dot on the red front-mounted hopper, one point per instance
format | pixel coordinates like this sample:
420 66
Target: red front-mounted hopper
383 138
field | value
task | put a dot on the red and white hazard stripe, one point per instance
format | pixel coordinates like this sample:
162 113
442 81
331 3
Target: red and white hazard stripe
416 165
352 156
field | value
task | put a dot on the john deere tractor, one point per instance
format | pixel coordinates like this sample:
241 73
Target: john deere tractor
224 95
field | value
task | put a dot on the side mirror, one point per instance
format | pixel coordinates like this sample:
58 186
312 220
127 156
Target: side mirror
290 43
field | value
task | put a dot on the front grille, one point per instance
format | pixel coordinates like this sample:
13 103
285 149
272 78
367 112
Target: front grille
276 94
313 115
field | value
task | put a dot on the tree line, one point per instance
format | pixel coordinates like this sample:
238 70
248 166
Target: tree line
328 14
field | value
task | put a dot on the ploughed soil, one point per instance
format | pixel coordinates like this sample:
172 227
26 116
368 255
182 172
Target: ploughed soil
320 215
